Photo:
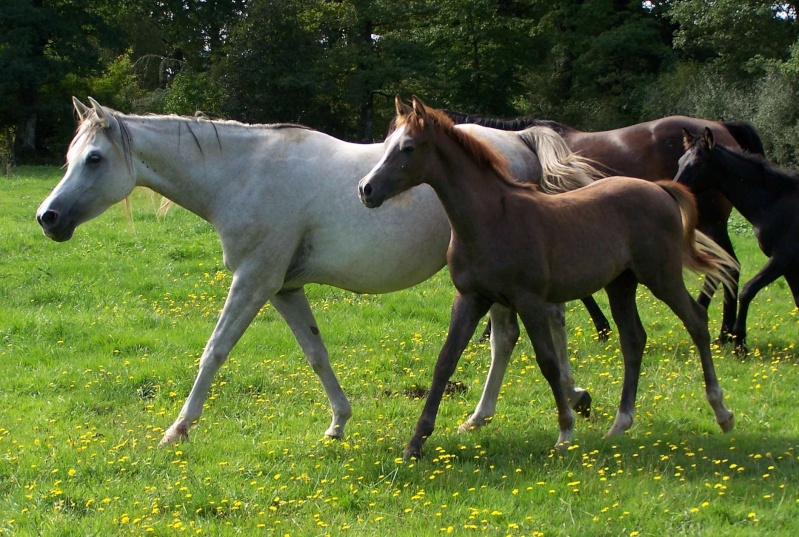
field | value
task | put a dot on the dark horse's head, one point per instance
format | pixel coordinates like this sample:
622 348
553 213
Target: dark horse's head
697 168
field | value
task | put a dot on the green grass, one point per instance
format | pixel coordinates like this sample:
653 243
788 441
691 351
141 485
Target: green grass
100 342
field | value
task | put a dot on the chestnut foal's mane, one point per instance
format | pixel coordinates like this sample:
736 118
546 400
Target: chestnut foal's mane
480 152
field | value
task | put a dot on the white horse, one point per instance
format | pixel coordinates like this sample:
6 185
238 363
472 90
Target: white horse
284 202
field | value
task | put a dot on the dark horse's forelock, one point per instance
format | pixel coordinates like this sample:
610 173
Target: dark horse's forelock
481 152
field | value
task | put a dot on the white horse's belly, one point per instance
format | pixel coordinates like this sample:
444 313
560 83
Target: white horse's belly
402 244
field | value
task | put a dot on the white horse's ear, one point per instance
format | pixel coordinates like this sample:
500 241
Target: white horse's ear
102 115
709 138
80 108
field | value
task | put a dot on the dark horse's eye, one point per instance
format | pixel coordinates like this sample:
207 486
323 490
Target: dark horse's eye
93 158
407 148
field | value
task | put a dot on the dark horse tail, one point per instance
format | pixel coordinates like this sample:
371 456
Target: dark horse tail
746 136
700 253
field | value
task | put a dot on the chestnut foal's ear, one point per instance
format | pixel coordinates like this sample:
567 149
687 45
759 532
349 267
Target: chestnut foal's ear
421 111
401 107
80 108
709 140
102 115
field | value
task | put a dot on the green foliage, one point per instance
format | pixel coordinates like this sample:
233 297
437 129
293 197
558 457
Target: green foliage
733 33
118 86
100 341
336 65
191 92
41 44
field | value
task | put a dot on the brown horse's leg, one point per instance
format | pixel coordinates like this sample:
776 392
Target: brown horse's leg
717 231
694 317
601 322
533 312
773 269
792 277
467 310
632 336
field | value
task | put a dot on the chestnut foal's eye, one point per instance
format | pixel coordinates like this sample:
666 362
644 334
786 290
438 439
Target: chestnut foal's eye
408 148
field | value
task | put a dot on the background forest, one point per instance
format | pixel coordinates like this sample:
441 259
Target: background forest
335 65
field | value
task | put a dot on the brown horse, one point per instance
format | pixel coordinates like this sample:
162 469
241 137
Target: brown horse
765 195
651 151
514 245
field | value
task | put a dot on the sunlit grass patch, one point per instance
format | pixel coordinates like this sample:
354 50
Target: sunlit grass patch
101 342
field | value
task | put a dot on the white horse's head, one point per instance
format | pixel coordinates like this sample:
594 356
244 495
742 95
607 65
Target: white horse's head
99 173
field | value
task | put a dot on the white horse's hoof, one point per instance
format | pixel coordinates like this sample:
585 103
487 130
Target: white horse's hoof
580 402
335 433
473 424
173 435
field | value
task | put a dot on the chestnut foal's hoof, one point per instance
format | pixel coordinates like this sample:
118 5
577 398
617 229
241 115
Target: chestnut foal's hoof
728 424
411 453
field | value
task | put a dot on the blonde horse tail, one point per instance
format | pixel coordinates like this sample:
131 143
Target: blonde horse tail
700 253
563 169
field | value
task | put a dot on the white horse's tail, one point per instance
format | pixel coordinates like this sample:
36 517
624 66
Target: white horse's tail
563 169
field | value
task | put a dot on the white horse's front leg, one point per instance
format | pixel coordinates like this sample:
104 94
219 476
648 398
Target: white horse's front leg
293 306
246 297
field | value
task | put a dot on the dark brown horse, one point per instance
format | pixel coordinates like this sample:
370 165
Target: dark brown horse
766 196
514 245
651 151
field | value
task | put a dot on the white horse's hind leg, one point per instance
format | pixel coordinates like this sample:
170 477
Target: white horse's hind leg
241 306
579 399
293 306
504 335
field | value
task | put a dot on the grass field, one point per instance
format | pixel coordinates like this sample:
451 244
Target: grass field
101 338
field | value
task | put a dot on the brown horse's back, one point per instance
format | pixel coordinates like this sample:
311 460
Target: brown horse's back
647 150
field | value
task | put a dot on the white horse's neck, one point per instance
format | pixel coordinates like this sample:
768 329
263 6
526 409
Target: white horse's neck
201 165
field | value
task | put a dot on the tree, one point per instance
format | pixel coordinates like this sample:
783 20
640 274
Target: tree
41 42
598 52
735 35
479 52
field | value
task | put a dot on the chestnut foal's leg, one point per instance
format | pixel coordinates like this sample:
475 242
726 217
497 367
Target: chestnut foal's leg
534 315
467 310
694 317
621 296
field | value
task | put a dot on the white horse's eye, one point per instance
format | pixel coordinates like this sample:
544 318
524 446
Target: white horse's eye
93 158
